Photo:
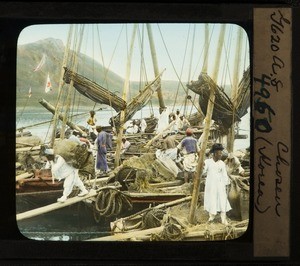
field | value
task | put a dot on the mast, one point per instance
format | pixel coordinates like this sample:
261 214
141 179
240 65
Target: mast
69 92
124 97
190 69
61 83
237 62
155 66
210 107
206 46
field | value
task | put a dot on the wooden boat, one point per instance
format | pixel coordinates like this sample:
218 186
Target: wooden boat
111 199
168 222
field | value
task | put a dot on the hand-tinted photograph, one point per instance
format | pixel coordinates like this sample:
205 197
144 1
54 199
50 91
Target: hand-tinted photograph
133 132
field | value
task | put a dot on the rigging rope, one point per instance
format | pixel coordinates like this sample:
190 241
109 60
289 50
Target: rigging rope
182 66
183 87
190 69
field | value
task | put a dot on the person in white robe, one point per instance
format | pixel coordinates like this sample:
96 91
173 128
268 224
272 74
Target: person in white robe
215 195
125 145
143 125
62 170
163 121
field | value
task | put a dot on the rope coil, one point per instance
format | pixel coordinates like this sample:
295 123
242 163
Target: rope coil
110 202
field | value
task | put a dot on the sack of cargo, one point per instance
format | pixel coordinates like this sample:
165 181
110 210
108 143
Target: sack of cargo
74 154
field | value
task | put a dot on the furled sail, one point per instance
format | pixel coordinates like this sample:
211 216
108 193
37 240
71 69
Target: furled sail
243 94
138 102
94 91
223 108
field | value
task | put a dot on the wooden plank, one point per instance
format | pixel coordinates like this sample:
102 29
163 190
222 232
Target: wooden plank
54 206
135 234
167 184
23 176
149 195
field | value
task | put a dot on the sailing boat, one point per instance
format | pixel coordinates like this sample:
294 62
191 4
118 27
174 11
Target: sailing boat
100 94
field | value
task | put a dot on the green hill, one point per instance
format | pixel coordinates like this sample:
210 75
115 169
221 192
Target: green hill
29 56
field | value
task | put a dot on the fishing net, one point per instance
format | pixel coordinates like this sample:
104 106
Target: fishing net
137 172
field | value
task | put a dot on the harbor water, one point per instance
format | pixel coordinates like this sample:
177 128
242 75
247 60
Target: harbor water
77 222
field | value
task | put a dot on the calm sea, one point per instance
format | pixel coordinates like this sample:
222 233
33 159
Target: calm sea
32 116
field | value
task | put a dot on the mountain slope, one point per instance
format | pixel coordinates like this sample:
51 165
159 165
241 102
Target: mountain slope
29 56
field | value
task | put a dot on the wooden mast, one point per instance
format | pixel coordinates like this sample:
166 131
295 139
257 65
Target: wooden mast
190 70
124 97
155 66
210 107
69 99
206 46
235 81
61 83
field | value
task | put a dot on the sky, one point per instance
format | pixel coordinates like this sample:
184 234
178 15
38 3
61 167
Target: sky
179 48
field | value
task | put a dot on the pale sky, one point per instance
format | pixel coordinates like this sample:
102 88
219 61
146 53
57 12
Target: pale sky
179 47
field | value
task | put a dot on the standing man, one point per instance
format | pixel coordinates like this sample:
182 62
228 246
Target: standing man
143 125
188 146
102 143
92 124
61 170
215 196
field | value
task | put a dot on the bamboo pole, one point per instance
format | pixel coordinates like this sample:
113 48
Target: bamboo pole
159 134
155 66
52 120
54 206
61 83
69 99
237 62
124 97
205 64
51 108
210 107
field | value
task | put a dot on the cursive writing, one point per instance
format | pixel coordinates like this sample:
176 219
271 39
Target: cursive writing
264 161
282 150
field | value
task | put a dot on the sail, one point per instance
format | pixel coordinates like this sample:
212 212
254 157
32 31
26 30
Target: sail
223 108
138 102
94 91
243 94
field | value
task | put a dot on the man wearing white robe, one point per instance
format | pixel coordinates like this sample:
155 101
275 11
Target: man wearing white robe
215 196
62 170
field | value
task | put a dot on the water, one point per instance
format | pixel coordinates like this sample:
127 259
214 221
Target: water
76 223
36 115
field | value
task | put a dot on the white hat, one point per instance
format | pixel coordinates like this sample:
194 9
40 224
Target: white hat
49 151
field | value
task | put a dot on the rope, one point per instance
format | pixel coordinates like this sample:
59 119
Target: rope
184 56
171 232
231 233
110 202
153 218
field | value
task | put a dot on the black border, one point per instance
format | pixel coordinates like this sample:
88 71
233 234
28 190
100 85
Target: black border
14 248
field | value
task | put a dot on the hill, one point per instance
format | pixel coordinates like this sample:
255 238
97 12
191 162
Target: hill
29 56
